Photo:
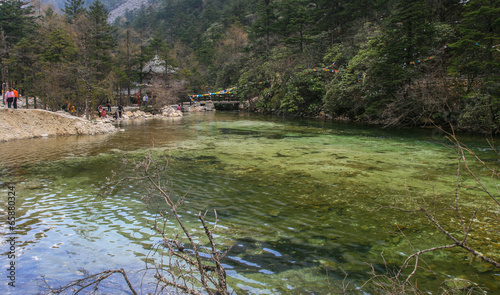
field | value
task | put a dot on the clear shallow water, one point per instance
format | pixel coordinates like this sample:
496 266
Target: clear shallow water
299 203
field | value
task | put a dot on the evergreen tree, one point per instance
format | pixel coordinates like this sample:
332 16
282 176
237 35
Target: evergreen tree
293 22
446 11
16 23
330 17
100 37
72 8
475 54
476 65
407 38
157 46
264 27
58 47
21 62
16 20
210 13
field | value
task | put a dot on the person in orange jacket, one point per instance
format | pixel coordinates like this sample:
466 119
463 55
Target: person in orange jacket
16 96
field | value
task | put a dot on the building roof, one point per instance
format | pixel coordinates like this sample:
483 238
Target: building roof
155 65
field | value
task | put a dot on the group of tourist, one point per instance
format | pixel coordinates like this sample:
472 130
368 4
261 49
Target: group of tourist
10 98
102 112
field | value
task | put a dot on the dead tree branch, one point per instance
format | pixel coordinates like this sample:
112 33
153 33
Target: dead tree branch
179 262
192 269
77 286
460 232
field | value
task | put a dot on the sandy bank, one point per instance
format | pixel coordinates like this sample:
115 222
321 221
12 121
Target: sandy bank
28 123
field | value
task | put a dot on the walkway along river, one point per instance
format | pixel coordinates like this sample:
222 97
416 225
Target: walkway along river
301 203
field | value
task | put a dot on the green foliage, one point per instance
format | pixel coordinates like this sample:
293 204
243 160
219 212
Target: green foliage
23 60
291 90
16 25
481 113
406 38
268 48
253 82
58 47
344 96
474 55
336 55
263 28
302 94
101 39
293 22
16 20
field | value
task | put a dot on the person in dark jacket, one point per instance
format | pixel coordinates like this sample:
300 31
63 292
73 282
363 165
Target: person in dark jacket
120 110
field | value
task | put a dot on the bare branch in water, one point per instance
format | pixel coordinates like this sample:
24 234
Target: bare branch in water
177 261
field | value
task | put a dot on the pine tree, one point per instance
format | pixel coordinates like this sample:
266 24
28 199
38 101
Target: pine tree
476 52
101 36
294 21
16 23
72 8
58 47
476 65
16 20
407 38
264 26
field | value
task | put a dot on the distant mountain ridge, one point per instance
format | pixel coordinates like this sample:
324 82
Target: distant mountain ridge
128 5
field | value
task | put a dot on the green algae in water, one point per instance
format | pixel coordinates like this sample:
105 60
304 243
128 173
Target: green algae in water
299 204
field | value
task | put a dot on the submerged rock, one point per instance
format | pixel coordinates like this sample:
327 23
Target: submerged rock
459 283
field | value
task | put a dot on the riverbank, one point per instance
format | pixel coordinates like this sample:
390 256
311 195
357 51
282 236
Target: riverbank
29 123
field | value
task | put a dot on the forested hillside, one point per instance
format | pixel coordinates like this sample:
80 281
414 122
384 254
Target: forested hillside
401 62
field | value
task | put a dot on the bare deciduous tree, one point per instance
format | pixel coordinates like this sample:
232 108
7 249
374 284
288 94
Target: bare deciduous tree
165 95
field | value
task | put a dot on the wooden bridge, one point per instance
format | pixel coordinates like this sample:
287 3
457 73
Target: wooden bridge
210 105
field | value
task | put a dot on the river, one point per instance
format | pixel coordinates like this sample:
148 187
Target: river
304 206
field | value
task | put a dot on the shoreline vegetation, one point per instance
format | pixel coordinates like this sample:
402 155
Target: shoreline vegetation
391 63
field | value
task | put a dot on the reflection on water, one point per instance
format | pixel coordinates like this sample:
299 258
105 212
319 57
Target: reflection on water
18 152
300 203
